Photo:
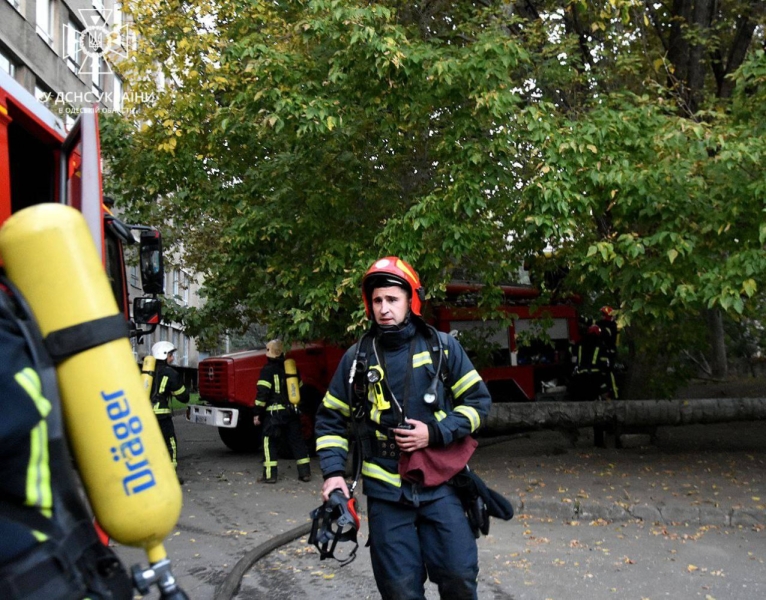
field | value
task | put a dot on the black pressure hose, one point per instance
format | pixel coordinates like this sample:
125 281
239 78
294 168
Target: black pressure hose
230 585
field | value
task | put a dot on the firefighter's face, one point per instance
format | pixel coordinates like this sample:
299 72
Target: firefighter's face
390 305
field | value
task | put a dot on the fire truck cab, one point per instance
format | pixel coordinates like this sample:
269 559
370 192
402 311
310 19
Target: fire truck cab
41 162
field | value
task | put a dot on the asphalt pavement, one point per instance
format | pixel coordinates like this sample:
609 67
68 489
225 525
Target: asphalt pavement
683 485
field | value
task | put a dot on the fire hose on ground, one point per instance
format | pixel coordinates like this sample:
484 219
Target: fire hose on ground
230 585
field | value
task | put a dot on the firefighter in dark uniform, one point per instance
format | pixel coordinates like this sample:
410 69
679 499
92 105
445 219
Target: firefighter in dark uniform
416 531
590 379
279 416
49 549
167 385
609 332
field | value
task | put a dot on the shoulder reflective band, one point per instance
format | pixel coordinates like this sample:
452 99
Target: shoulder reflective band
65 343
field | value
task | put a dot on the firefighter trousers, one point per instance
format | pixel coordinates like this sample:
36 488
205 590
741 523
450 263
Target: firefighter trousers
288 425
409 543
169 433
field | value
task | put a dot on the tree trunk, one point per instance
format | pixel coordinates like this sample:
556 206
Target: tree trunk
521 416
718 363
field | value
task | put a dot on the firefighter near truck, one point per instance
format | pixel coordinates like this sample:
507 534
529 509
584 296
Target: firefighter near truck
65 288
526 357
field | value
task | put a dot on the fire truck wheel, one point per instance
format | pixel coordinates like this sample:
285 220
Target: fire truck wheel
245 437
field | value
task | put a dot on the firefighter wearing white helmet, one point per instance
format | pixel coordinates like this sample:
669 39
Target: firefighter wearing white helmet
167 385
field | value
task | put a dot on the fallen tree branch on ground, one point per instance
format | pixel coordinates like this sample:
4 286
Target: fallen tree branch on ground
507 417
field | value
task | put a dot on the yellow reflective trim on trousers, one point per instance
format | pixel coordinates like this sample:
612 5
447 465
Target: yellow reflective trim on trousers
471 414
465 382
275 407
331 441
333 403
267 461
375 472
174 452
38 481
420 359
302 461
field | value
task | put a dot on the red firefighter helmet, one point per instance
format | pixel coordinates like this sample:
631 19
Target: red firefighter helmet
607 311
594 330
389 271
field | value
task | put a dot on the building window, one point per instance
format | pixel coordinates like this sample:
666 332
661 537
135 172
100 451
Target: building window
117 94
176 283
45 20
100 71
185 286
133 276
180 283
72 50
117 15
6 64
148 343
42 94
15 4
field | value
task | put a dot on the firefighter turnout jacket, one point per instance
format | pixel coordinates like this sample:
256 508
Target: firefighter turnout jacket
168 384
402 363
271 394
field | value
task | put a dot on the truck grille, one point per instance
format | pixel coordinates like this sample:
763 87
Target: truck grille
212 380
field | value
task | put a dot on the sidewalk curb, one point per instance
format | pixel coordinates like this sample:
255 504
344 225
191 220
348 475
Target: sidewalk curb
656 515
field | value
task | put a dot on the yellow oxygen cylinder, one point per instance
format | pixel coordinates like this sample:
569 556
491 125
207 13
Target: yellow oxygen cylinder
148 367
114 435
292 381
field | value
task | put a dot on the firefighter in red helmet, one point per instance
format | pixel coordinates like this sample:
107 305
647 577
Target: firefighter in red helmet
392 389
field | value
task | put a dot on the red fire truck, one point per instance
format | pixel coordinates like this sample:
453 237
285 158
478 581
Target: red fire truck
40 162
529 360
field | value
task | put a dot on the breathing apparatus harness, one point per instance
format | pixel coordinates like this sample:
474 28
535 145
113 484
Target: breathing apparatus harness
362 375
475 497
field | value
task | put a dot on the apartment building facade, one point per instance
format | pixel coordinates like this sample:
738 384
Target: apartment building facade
62 51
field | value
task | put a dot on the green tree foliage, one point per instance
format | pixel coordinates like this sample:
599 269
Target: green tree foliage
291 143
